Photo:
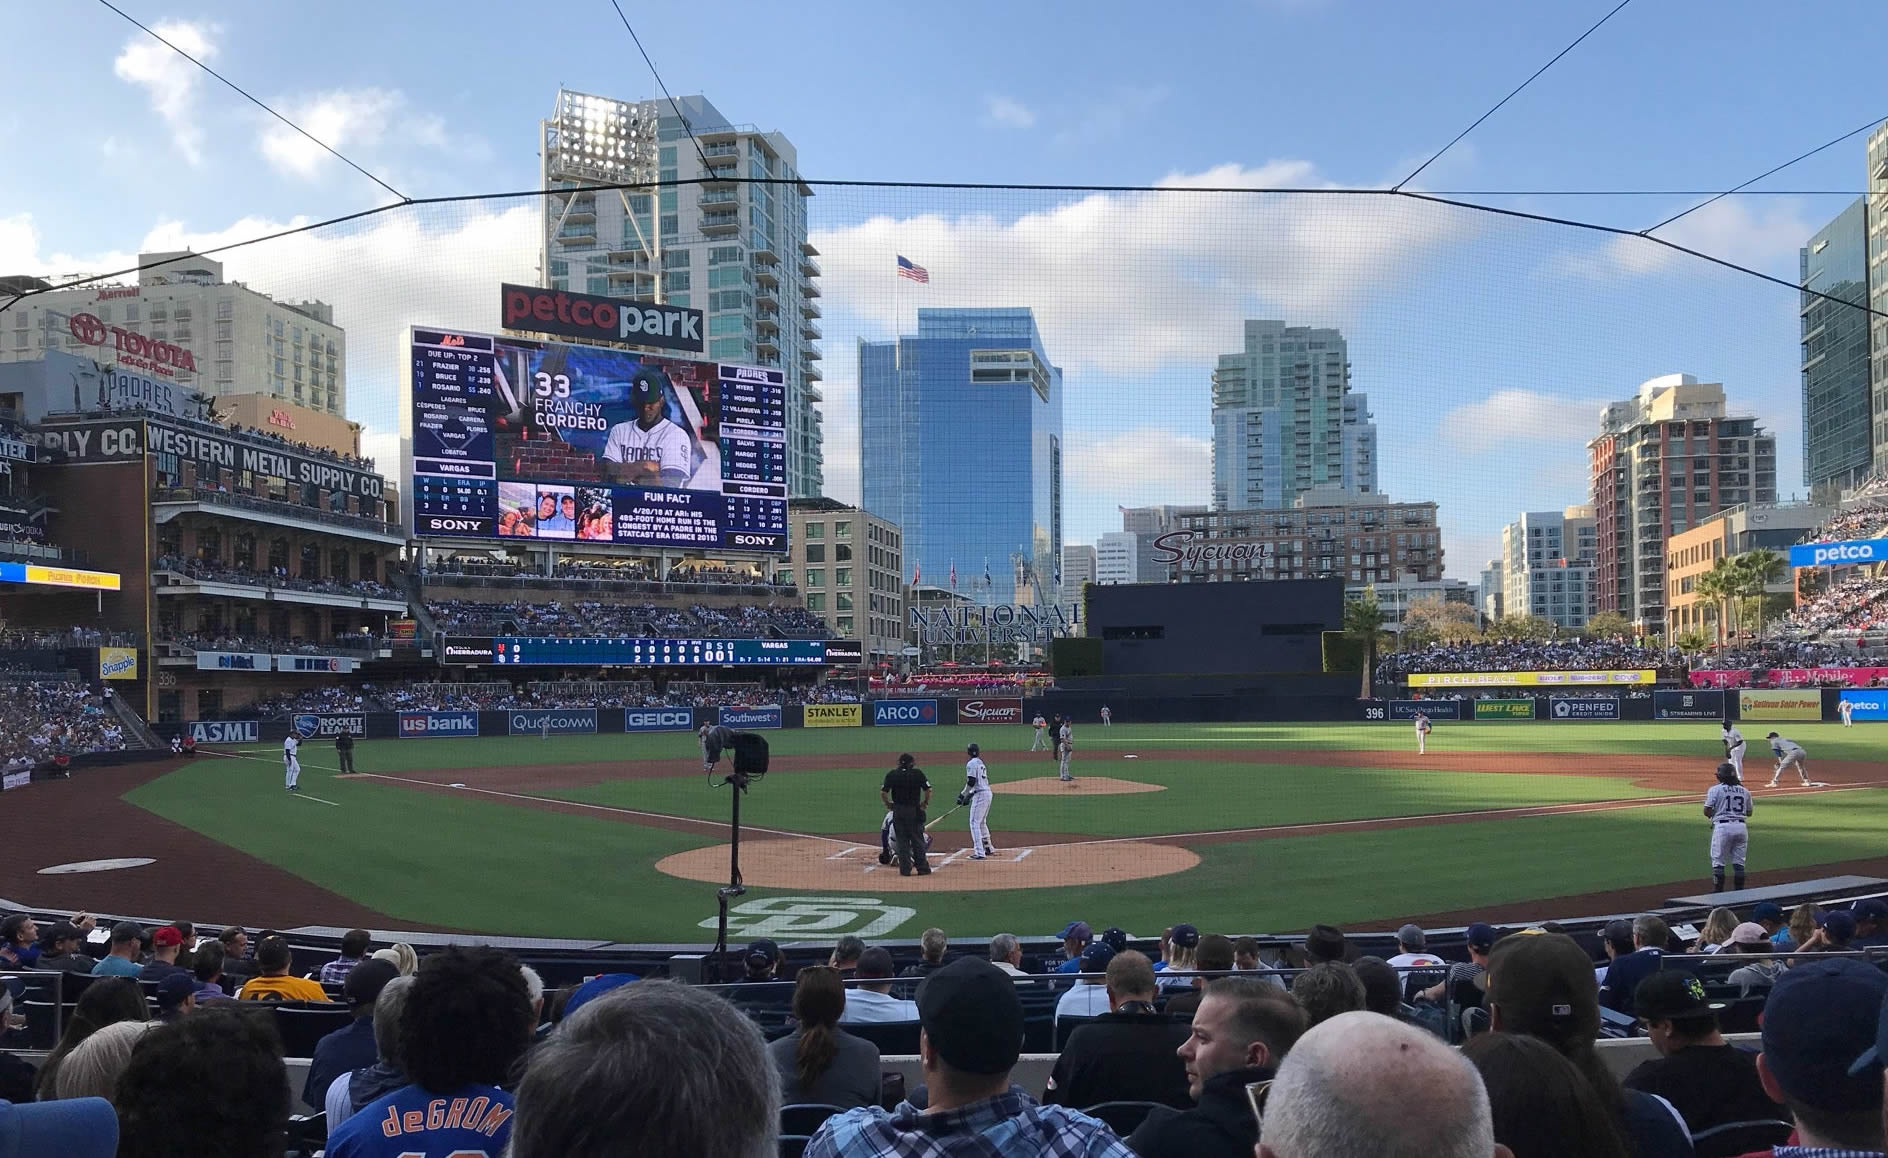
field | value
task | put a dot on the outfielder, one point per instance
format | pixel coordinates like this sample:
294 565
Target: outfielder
1422 733
1107 717
1064 748
1728 805
291 765
1846 709
1789 753
1041 743
1734 749
715 738
977 794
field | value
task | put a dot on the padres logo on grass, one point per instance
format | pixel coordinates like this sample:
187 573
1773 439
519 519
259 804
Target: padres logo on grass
832 716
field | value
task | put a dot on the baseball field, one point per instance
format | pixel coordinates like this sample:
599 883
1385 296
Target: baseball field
1240 827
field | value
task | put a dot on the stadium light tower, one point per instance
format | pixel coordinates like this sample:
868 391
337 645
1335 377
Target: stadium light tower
596 141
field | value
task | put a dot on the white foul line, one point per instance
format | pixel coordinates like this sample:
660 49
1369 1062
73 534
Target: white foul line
267 760
316 799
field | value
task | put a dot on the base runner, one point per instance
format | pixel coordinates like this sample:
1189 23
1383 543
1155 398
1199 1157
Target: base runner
1422 733
291 763
1789 754
1728 806
1064 748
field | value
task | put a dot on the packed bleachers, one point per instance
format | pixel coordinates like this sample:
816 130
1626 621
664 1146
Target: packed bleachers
1866 522
1850 608
497 695
1531 655
58 639
347 644
626 620
50 718
643 576
278 577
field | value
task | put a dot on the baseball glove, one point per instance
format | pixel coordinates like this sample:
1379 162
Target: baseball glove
884 858
963 797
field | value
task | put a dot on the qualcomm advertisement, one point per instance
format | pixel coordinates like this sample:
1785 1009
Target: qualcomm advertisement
658 719
1866 703
1598 708
554 722
416 725
763 717
1843 554
894 713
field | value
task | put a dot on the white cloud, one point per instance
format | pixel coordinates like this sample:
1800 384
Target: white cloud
1509 416
348 121
169 79
1764 235
1130 468
1008 113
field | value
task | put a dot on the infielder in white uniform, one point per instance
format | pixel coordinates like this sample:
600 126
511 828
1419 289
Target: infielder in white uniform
291 765
1734 749
1789 753
1422 733
1041 742
1107 717
1064 748
1728 805
1846 709
977 787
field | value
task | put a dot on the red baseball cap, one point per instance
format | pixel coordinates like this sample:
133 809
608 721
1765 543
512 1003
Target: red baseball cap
166 935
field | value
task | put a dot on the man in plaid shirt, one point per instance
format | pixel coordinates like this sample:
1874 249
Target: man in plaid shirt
353 948
973 1034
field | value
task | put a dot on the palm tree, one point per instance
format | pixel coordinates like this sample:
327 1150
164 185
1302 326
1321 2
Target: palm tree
1757 570
1363 622
1723 583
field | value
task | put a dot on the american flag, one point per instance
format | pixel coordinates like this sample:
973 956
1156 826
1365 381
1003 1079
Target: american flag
917 574
906 268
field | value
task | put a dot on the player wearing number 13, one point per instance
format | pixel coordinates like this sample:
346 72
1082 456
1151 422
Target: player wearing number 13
1728 806
650 450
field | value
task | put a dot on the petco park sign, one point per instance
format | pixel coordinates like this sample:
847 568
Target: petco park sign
134 349
1843 554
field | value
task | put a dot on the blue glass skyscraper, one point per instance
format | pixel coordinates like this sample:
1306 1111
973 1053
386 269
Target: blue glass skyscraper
960 444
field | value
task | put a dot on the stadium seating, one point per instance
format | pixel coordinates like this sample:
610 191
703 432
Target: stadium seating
47 718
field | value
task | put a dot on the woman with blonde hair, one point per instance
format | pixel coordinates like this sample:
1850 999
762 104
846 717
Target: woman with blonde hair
1805 919
1716 932
92 1070
402 957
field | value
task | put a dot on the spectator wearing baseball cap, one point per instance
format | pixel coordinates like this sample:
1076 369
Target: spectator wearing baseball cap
1835 936
1459 985
1412 950
1820 1057
972 1036
761 960
351 1047
1871 924
1089 996
1543 986
75 1128
1178 955
176 996
1650 935
1114 937
1769 914
872 1000
1758 966
166 942
64 954
1128 1054
126 941
1324 943
1076 936
1708 1081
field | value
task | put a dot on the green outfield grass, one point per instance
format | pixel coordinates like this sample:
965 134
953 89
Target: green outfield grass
479 863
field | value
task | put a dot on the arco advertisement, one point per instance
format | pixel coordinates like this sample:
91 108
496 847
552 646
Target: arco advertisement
903 713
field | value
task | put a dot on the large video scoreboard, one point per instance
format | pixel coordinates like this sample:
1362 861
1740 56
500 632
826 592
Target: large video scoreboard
570 651
515 439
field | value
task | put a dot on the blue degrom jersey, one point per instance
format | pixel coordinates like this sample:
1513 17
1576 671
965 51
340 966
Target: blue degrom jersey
414 1123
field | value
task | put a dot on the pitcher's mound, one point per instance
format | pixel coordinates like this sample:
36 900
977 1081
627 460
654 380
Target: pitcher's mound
1080 786
799 863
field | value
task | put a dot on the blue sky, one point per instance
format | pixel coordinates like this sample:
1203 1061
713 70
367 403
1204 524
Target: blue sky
1486 345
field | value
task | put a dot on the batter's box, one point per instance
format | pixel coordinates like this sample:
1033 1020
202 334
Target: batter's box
866 857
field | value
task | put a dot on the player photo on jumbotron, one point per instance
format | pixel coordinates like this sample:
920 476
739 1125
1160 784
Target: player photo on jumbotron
612 416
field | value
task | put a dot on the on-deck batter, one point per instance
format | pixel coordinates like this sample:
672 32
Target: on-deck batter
1728 805
977 785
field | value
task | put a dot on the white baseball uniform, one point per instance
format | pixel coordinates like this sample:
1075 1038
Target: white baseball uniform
665 442
1734 751
1789 754
291 764
1730 805
1041 742
977 779
1846 709
1107 717
1422 733
1065 746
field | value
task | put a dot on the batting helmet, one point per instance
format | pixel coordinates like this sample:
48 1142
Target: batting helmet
972 750
1727 774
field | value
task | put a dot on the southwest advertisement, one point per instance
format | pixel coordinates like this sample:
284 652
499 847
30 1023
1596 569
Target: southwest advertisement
552 441
832 716
1504 709
752 718
1754 704
1522 679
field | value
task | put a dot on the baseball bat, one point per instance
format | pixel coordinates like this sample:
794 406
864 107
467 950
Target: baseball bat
928 825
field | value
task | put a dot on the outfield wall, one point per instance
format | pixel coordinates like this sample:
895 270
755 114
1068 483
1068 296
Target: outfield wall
1778 706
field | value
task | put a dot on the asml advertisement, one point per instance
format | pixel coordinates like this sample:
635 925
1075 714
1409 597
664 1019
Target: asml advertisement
551 441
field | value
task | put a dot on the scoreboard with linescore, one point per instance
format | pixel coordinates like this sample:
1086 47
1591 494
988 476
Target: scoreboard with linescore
608 652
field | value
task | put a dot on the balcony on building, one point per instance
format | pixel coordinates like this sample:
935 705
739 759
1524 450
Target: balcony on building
715 197
810 331
722 222
583 208
764 252
168 503
809 267
718 175
713 149
767 273
809 309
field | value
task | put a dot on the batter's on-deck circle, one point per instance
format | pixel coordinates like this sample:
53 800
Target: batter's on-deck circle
1728 806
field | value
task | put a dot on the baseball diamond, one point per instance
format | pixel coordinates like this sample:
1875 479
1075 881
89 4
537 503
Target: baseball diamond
1237 825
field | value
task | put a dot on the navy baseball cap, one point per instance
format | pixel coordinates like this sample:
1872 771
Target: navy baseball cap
972 1016
1079 930
1873 909
1115 938
1818 1036
1766 911
1185 936
594 988
644 389
1095 958
70 1128
172 990
1840 924
1480 936
1870 1060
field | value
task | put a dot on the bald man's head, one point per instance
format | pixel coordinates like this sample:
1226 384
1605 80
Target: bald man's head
1362 1083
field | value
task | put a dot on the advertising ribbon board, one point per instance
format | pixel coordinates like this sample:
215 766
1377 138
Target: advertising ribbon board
1765 704
767 716
658 719
1870 704
234 661
225 731
553 721
832 716
1434 709
989 711
1524 679
903 713
419 725
1594 708
1504 709
1699 705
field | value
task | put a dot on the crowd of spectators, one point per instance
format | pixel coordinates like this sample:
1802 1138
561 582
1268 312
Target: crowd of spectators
499 695
322 699
211 572
626 620
1344 1053
608 571
360 462
1861 523
343 644
47 719
1858 605
929 684
1533 655
59 639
